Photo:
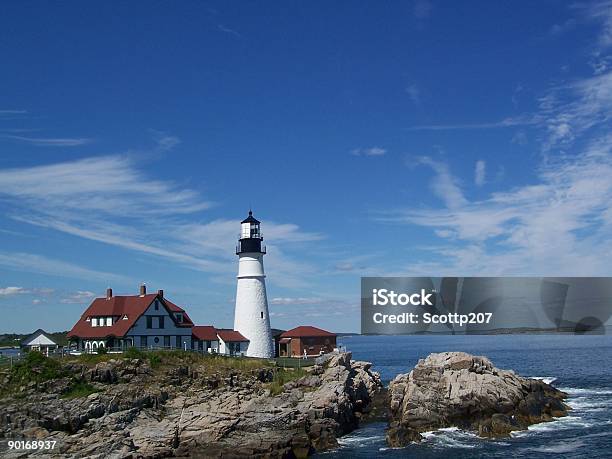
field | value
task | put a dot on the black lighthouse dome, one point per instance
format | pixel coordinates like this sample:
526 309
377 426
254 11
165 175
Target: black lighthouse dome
250 236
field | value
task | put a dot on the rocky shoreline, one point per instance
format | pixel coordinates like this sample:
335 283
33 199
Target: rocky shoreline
455 389
185 411
135 408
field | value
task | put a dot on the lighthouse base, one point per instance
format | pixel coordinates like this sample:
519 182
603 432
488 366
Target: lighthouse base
251 316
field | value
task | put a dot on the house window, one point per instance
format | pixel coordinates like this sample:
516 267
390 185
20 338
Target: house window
161 321
179 343
156 340
179 318
94 322
143 341
156 306
109 321
166 341
149 322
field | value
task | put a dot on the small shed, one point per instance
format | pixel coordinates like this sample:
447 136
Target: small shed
40 341
306 341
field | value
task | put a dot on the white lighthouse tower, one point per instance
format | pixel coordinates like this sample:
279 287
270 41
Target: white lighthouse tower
251 317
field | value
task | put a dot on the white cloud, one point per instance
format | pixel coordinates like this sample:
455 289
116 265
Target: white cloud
294 301
559 225
78 297
108 199
373 151
480 172
50 142
569 111
524 120
100 185
422 9
601 12
10 291
43 265
228 30
414 93
445 186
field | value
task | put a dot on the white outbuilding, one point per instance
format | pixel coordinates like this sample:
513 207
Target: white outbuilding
39 341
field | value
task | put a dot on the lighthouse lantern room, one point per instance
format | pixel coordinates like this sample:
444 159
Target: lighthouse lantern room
251 317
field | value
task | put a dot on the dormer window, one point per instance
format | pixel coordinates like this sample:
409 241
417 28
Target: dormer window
179 317
94 322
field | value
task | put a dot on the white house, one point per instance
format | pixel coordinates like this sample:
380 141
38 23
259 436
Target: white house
232 342
39 341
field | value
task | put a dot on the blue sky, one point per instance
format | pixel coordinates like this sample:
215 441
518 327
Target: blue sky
396 138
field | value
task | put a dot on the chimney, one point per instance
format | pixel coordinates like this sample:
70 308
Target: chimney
109 293
160 293
143 289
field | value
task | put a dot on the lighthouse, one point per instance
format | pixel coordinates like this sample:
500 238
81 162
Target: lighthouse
251 317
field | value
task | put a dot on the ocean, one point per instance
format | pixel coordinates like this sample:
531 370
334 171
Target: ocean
579 365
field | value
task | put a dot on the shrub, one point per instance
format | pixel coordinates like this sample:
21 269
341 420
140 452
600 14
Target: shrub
134 353
79 389
282 377
155 361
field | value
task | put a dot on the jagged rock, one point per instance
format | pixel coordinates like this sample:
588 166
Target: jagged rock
466 391
185 410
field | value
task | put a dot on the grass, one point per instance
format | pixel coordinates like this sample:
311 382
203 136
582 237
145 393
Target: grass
282 376
163 358
34 367
79 389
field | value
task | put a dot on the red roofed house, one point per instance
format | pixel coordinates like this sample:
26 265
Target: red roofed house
148 321
306 340
231 342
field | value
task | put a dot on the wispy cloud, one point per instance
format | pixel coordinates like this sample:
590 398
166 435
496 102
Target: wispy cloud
39 264
414 93
480 172
570 110
422 9
524 120
78 297
373 151
228 30
106 184
445 186
561 224
109 199
49 142
164 141
601 12
294 300
10 291
13 112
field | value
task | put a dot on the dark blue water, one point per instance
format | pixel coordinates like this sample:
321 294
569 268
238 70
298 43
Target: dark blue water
582 366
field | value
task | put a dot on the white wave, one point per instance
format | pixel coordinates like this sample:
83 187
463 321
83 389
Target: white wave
359 440
588 404
594 391
451 437
544 379
564 423
560 448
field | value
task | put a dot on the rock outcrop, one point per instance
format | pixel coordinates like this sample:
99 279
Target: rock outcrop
187 411
455 389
